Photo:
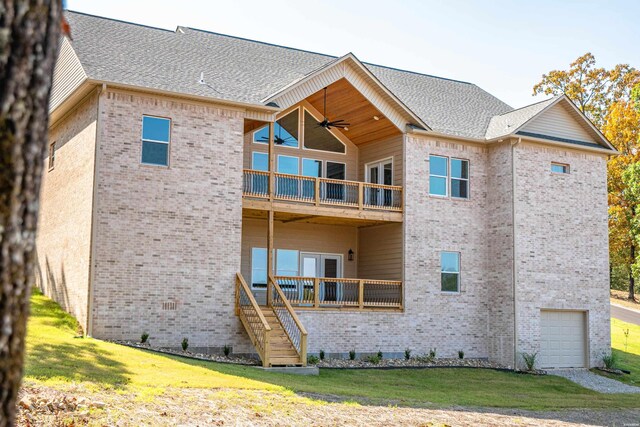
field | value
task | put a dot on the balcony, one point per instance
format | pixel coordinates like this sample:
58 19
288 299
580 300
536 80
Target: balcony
302 195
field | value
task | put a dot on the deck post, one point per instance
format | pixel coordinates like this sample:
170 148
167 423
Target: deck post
361 294
360 195
316 292
269 255
317 184
237 297
267 348
272 162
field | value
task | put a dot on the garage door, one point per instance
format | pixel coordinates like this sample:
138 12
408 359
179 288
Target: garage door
563 339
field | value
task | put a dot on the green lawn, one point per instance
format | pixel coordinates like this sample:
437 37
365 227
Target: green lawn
629 355
56 358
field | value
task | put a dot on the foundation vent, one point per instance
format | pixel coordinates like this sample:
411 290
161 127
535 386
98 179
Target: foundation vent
170 305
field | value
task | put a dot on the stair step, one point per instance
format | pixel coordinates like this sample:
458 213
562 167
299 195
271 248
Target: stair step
287 360
282 353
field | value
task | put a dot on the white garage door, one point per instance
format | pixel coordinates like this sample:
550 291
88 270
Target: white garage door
563 339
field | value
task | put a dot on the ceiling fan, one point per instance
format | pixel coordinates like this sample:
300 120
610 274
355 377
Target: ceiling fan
278 140
339 124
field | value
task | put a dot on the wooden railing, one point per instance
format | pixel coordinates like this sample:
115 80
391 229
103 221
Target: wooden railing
322 191
331 293
252 318
288 319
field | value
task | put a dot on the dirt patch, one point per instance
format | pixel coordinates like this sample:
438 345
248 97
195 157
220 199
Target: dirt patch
621 298
218 407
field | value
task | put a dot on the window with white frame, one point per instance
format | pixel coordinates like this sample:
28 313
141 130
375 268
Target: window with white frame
450 271
448 177
559 167
460 178
438 174
258 268
285 131
156 136
286 260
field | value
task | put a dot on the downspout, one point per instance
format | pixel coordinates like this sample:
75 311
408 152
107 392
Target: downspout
514 252
94 207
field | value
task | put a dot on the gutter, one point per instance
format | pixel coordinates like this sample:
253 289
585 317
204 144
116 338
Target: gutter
414 130
94 207
514 251
208 99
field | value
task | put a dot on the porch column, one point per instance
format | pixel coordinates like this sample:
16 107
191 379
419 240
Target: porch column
272 162
269 254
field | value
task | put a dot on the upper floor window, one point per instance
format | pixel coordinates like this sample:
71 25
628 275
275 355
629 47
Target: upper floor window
285 131
156 135
450 271
319 138
559 168
460 178
438 173
448 177
52 155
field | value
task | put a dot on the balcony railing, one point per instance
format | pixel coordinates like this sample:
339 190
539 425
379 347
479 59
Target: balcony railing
322 191
332 293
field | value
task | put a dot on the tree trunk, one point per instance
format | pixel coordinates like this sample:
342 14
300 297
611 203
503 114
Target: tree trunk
29 33
632 281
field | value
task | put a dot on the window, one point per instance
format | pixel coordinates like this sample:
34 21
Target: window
155 140
285 131
319 138
52 155
559 168
460 178
287 262
438 173
258 267
260 161
450 271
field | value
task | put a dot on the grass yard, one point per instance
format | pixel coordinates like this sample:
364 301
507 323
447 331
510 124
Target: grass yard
627 350
56 359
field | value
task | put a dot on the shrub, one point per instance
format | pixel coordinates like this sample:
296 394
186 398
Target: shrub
432 353
425 358
610 360
374 359
529 360
312 360
352 355
407 353
460 354
144 337
185 344
226 349
379 354
321 354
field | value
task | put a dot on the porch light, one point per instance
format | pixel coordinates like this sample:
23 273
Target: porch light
350 255
376 118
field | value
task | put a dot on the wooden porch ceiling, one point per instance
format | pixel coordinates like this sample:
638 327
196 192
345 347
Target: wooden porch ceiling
347 103
285 212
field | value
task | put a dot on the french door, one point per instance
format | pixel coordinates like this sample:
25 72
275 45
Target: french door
380 172
326 266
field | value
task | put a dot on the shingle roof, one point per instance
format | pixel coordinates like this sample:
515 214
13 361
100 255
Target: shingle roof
507 123
248 71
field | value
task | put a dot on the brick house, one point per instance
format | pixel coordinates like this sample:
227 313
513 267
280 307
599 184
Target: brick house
285 202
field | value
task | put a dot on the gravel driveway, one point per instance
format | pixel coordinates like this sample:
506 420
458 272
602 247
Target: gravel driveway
593 381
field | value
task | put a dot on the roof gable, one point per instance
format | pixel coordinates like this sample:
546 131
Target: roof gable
348 67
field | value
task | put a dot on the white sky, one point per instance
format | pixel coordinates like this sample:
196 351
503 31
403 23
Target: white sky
503 46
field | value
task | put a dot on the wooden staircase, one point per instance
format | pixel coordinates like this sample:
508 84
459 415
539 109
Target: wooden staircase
275 330
281 350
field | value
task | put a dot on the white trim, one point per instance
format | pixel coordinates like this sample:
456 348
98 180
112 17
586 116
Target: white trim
379 162
337 163
253 163
292 157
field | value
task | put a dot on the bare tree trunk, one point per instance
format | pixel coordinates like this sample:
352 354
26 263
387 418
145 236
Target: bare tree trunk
632 281
29 33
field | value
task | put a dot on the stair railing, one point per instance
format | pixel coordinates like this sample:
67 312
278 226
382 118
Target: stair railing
289 320
252 318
